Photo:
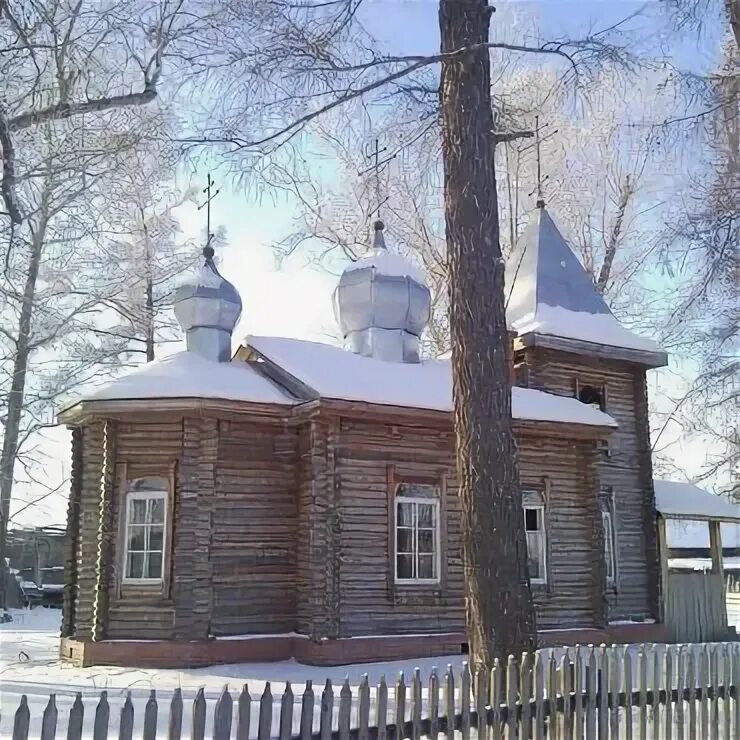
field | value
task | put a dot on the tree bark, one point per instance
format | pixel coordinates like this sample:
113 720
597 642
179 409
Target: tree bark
625 194
18 385
499 610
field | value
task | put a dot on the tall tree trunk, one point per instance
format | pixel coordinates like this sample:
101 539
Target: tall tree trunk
149 307
499 610
625 194
18 386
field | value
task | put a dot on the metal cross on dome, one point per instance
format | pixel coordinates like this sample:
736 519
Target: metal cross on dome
373 153
210 195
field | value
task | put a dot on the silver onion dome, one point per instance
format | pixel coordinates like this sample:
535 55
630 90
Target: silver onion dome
207 307
382 304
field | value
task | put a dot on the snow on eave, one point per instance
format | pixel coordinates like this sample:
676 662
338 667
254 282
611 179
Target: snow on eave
679 500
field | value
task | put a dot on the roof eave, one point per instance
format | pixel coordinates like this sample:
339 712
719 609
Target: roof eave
647 358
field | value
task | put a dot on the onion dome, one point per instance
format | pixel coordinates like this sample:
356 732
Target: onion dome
207 307
382 304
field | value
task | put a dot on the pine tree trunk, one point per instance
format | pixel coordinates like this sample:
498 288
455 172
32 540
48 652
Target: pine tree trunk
499 609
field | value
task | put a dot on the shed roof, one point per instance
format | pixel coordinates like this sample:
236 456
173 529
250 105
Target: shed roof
334 373
678 500
550 293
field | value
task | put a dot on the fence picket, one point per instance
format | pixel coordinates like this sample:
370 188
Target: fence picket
511 698
668 711
400 698
591 685
345 710
628 718
495 699
578 685
307 704
449 697
714 701
21 720
49 720
150 717
174 721
539 695
681 675
615 676
643 691
76 717
286 714
553 725
657 665
603 691
416 706
102 715
736 684
363 710
198 729
566 687
691 680
726 679
703 683
381 709
525 695
433 705
465 701
222 715
327 709
264 726
126 725
481 702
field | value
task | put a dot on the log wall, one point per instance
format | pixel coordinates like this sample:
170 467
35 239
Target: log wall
371 456
626 469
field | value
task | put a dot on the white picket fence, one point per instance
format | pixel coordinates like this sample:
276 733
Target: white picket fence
687 692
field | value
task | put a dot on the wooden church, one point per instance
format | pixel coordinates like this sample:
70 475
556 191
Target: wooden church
299 500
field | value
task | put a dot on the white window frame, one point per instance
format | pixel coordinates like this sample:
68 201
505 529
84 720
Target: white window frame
416 500
538 506
607 523
138 496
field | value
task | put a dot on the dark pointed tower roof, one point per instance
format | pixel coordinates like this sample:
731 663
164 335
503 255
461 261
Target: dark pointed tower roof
552 300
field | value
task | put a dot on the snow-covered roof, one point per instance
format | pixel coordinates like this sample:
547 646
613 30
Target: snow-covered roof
687 501
189 375
339 374
550 293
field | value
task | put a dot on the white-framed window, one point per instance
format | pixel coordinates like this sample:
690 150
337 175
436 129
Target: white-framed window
534 527
417 551
610 549
145 530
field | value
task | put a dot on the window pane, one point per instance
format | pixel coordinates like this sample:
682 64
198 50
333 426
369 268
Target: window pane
531 520
534 555
136 539
426 541
154 565
135 565
425 513
405 515
156 537
137 511
156 511
405 567
427 566
405 540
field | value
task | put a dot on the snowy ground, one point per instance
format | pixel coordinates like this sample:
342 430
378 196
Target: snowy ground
29 665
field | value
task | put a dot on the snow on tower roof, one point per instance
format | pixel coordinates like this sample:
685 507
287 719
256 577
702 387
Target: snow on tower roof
334 373
681 500
189 375
549 293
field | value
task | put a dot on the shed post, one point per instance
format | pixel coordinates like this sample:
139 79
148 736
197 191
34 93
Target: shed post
663 556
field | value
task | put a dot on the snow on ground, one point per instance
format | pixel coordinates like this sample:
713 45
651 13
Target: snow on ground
29 665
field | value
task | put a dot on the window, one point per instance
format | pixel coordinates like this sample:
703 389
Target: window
146 518
417 533
592 396
610 550
534 527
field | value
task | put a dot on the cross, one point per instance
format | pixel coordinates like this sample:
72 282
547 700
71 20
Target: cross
207 206
374 153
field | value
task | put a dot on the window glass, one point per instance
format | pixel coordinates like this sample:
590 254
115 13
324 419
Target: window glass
146 505
417 533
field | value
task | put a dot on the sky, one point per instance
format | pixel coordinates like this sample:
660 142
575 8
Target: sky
294 298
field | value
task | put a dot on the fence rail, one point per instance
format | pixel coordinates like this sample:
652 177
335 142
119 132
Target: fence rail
682 692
